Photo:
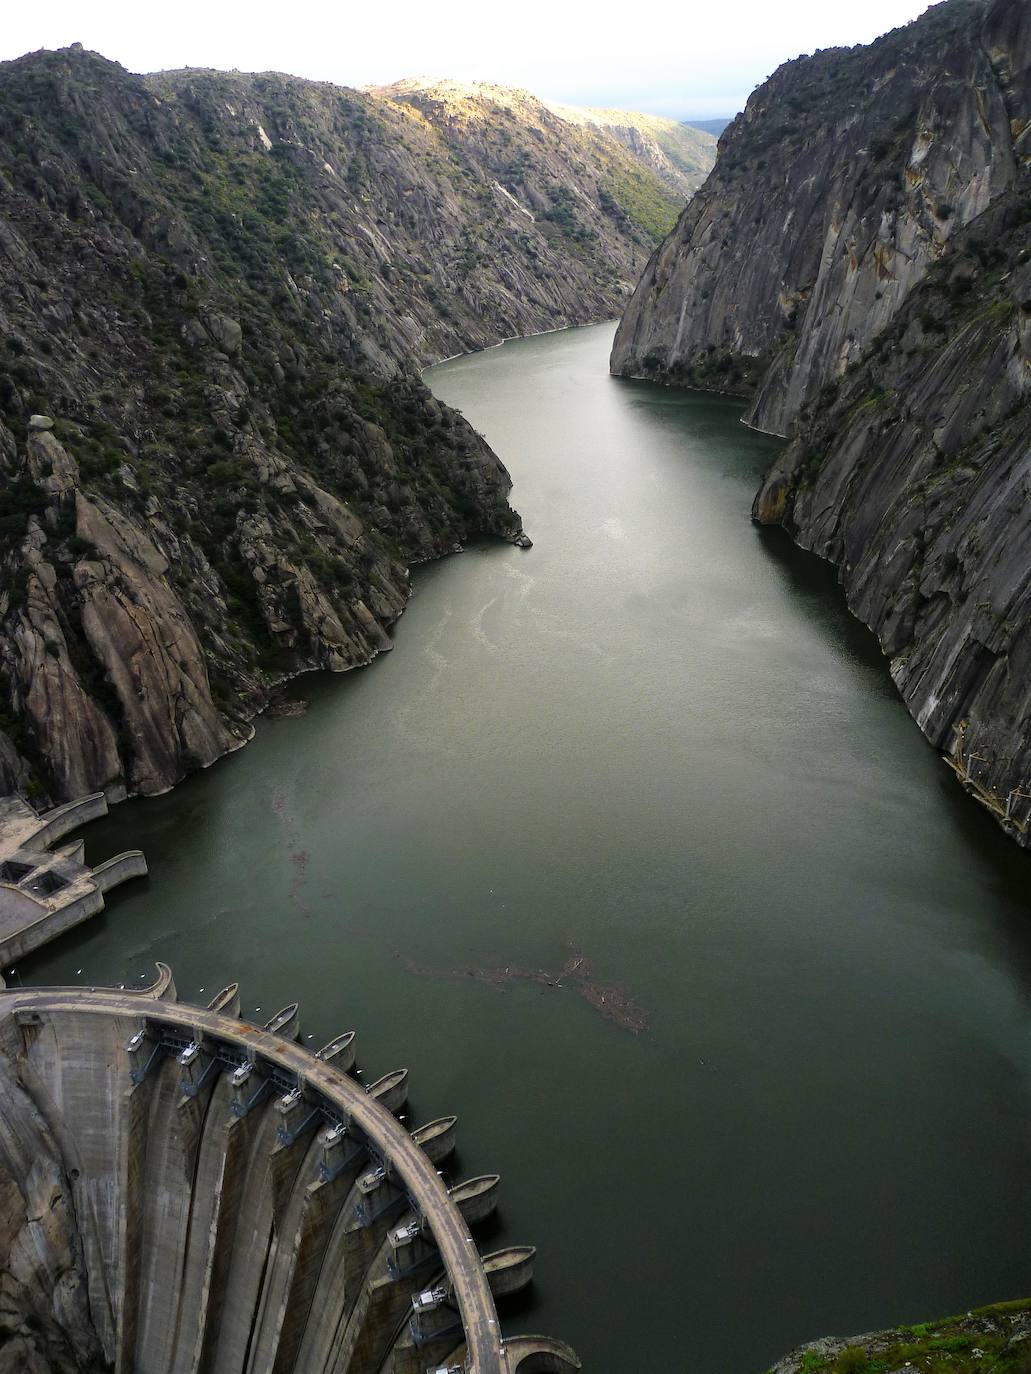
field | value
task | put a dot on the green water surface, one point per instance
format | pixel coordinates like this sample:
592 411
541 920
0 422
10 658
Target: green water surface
656 742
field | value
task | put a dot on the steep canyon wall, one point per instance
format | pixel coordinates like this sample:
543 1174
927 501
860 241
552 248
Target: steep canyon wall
858 265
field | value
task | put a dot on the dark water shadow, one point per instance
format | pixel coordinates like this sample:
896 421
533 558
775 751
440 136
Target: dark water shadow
1002 865
814 584
643 392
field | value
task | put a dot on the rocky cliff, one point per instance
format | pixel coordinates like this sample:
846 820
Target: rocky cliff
913 475
870 285
833 193
218 457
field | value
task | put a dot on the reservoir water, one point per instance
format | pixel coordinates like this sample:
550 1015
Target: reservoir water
632 855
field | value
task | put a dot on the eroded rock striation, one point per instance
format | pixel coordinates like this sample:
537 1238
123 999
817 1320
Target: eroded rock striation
914 478
834 192
864 275
218 458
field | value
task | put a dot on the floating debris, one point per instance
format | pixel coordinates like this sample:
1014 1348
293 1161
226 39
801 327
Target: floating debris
612 1000
299 859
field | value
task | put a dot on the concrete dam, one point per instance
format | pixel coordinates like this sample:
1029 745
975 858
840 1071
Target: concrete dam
184 1192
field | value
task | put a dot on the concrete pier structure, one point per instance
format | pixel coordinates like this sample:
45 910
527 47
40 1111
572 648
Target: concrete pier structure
201 1195
45 891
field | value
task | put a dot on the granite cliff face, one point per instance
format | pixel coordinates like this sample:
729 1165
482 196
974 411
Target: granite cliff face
873 292
834 192
913 477
218 458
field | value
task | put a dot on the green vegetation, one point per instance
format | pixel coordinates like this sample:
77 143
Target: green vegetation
643 200
992 1340
563 213
21 499
715 370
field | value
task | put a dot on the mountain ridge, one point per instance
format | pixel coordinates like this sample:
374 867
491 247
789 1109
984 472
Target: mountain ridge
219 458
467 116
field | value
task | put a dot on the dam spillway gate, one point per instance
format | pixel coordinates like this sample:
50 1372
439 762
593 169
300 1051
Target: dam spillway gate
219 1200
184 1192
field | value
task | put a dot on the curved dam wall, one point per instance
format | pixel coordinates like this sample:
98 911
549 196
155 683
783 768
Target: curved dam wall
183 1191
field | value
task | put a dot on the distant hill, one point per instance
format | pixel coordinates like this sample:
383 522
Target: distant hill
709 126
647 165
682 155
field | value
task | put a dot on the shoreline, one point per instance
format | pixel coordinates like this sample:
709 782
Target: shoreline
247 720
515 338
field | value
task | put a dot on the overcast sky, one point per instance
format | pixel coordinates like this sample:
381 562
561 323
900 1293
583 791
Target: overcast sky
674 57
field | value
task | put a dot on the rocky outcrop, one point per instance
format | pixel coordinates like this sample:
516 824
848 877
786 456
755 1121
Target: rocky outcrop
142 640
55 716
997 1337
45 1324
218 457
834 193
867 280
